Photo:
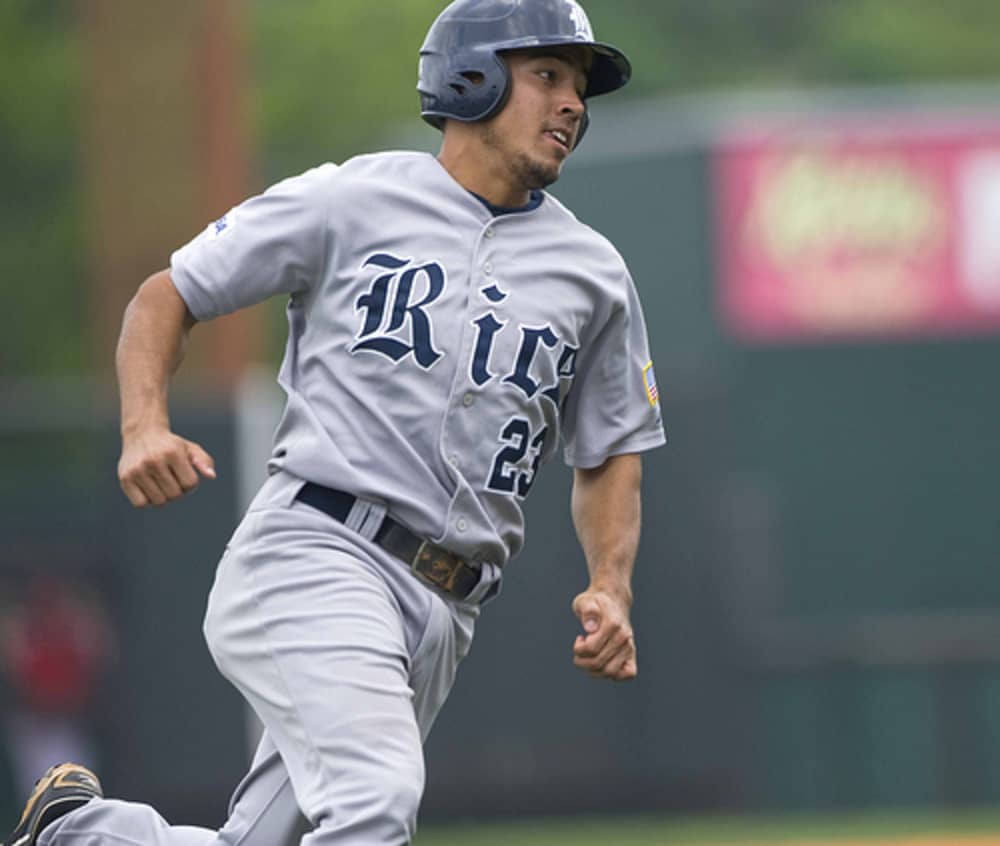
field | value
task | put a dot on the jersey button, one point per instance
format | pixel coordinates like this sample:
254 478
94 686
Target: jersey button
468 400
490 232
461 525
453 460
488 268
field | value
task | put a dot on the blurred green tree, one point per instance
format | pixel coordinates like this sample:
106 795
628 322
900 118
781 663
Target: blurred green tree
690 45
330 79
41 292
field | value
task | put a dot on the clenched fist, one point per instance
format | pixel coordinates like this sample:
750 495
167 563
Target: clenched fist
606 649
157 466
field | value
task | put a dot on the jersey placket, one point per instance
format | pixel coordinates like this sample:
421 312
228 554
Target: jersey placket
466 517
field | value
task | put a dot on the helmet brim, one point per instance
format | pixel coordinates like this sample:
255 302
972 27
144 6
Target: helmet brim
610 71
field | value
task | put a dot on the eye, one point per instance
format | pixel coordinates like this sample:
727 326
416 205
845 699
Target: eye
548 75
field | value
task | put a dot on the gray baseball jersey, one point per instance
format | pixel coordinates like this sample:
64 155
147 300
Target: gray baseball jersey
437 353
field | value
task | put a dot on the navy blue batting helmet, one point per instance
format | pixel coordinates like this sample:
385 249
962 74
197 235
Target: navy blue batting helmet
463 75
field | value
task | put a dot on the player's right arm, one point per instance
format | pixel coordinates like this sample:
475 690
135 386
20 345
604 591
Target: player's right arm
156 466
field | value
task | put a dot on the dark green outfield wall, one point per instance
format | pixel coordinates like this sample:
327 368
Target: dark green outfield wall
170 729
830 517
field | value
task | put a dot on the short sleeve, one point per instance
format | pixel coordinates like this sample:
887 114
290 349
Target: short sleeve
613 407
271 244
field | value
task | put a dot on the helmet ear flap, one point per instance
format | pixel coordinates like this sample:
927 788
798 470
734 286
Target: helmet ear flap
503 95
468 87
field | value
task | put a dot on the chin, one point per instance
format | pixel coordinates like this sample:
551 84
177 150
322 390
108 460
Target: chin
537 175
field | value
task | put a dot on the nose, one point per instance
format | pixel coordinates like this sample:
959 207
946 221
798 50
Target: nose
573 105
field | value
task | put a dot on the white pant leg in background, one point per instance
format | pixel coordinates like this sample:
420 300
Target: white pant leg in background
263 812
37 741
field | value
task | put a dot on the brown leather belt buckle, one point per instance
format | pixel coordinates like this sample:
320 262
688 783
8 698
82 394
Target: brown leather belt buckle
441 568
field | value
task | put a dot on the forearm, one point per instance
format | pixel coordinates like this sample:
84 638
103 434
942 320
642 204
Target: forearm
151 347
156 466
607 515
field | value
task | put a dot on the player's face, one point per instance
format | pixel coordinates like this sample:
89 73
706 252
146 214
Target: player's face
538 127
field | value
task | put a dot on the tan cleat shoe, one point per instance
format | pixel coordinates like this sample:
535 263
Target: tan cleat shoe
62 789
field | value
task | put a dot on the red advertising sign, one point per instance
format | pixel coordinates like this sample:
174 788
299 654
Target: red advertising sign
859 230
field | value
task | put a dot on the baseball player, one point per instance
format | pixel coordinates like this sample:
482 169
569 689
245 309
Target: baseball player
450 324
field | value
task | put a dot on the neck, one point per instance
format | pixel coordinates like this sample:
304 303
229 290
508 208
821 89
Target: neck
473 167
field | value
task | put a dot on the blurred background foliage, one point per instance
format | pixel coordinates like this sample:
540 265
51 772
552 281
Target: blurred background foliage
330 79
41 243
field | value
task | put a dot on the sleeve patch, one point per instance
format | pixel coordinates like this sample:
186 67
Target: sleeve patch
649 380
223 225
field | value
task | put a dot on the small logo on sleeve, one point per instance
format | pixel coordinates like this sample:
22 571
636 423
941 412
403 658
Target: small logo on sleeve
224 224
649 380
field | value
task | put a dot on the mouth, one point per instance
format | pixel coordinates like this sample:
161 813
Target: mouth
561 137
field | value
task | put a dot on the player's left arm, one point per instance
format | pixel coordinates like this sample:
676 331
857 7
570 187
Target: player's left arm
607 510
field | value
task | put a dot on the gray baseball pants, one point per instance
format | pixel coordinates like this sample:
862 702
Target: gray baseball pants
345 657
